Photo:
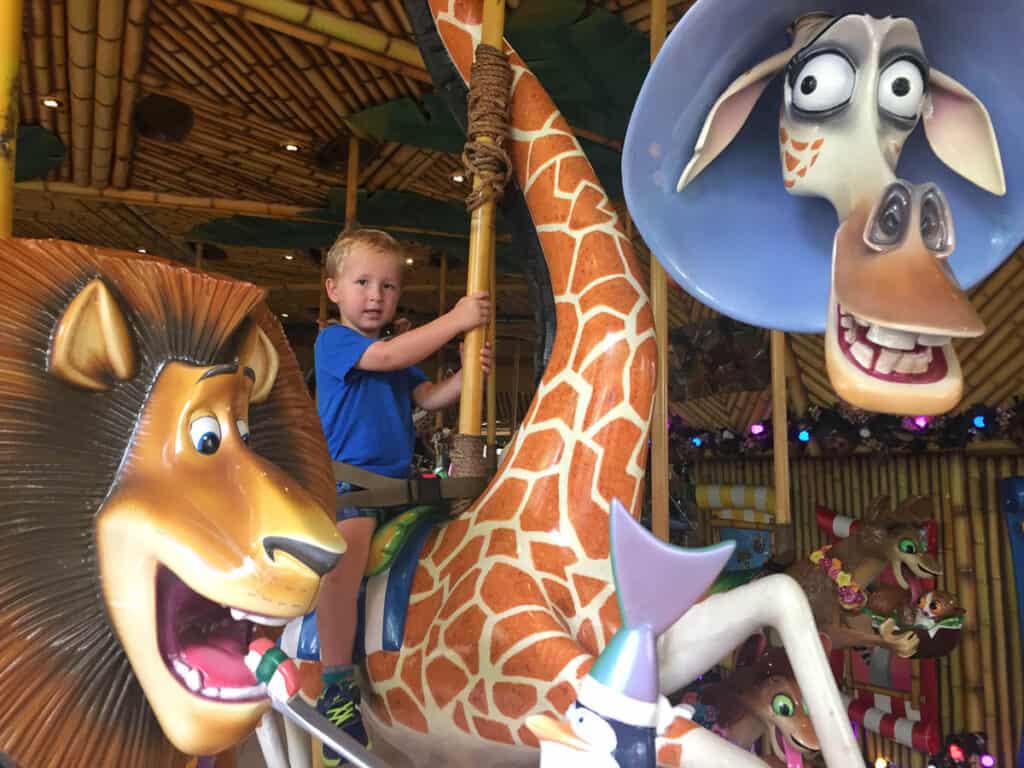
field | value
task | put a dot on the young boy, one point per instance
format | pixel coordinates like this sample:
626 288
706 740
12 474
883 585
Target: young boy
366 388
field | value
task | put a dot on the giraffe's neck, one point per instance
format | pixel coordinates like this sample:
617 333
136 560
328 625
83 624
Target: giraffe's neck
582 441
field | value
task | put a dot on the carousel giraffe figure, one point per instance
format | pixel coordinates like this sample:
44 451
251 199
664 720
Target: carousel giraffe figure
511 603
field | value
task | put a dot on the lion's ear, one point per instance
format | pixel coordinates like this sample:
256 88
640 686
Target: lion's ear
91 345
258 353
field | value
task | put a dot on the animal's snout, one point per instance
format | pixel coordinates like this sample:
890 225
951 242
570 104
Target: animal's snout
317 559
917 213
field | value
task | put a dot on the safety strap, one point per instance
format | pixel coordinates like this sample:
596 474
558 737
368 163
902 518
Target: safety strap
383 491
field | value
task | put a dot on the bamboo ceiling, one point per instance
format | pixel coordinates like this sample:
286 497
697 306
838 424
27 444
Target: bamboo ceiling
257 82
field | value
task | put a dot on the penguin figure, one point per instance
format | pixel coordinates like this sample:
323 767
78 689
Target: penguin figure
619 711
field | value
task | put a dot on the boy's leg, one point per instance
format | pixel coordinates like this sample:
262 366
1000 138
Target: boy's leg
336 625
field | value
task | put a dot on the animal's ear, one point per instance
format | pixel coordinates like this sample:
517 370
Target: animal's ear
91 345
730 112
960 132
258 353
916 510
879 508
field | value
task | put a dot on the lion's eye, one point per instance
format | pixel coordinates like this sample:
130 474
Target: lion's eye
205 434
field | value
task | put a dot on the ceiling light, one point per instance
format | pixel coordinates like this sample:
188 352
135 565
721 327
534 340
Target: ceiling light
291 147
289 257
141 250
284 315
458 178
410 260
51 103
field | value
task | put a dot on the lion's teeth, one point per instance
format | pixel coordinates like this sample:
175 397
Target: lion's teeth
255 618
193 680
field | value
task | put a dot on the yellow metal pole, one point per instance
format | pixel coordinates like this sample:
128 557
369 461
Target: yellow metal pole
199 257
784 535
481 258
10 61
659 302
442 307
352 182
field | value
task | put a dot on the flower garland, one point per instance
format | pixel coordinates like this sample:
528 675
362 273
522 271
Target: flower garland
851 596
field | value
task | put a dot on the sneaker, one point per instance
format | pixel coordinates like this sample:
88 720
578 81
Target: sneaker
339 703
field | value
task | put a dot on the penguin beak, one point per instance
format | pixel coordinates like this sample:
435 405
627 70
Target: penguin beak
547 728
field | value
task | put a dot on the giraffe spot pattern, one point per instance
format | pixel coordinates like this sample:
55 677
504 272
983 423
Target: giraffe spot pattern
405 711
478 698
512 630
493 730
514 700
541 513
560 597
506 587
445 681
549 558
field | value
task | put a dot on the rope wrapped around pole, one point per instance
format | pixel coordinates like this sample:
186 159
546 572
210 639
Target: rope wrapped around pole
488 104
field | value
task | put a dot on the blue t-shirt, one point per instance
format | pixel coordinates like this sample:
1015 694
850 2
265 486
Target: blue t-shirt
366 415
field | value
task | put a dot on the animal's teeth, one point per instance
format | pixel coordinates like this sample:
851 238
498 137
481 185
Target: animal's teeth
929 340
850 335
270 621
859 321
887 359
846 321
862 353
193 680
912 364
233 694
890 337
213 693
180 667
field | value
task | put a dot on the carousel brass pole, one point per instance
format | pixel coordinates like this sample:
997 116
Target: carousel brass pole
442 306
780 445
10 60
659 302
352 182
199 257
481 258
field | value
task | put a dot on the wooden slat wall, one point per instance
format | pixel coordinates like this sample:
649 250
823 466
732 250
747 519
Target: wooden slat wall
976 692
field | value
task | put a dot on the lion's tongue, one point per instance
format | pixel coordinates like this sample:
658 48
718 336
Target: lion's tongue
794 757
221 663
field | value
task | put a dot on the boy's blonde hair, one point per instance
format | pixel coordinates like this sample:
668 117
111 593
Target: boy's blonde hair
374 239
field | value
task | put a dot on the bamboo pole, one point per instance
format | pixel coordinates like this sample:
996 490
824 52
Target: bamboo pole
659 306
969 644
325 29
994 518
131 65
10 60
442 307
58 49
109 34
81 16
481 257
780 436
983 623
199 257
41 59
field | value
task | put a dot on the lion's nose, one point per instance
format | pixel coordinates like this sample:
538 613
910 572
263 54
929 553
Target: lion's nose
318 560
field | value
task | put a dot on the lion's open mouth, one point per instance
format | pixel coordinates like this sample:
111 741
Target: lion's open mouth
889 354
204 643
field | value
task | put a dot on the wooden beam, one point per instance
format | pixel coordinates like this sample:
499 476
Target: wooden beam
779 428
659 305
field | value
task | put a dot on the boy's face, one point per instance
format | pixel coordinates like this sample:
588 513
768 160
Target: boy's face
366 289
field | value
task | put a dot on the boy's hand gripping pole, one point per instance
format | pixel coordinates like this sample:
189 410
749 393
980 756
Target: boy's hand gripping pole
280 675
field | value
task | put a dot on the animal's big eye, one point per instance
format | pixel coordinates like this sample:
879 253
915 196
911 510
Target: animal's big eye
901 89
592 728
823 83
783 706
243 430
933 605
908 546
205 434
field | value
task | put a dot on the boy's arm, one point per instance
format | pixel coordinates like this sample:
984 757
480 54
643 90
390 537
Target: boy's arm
413 346
434 397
